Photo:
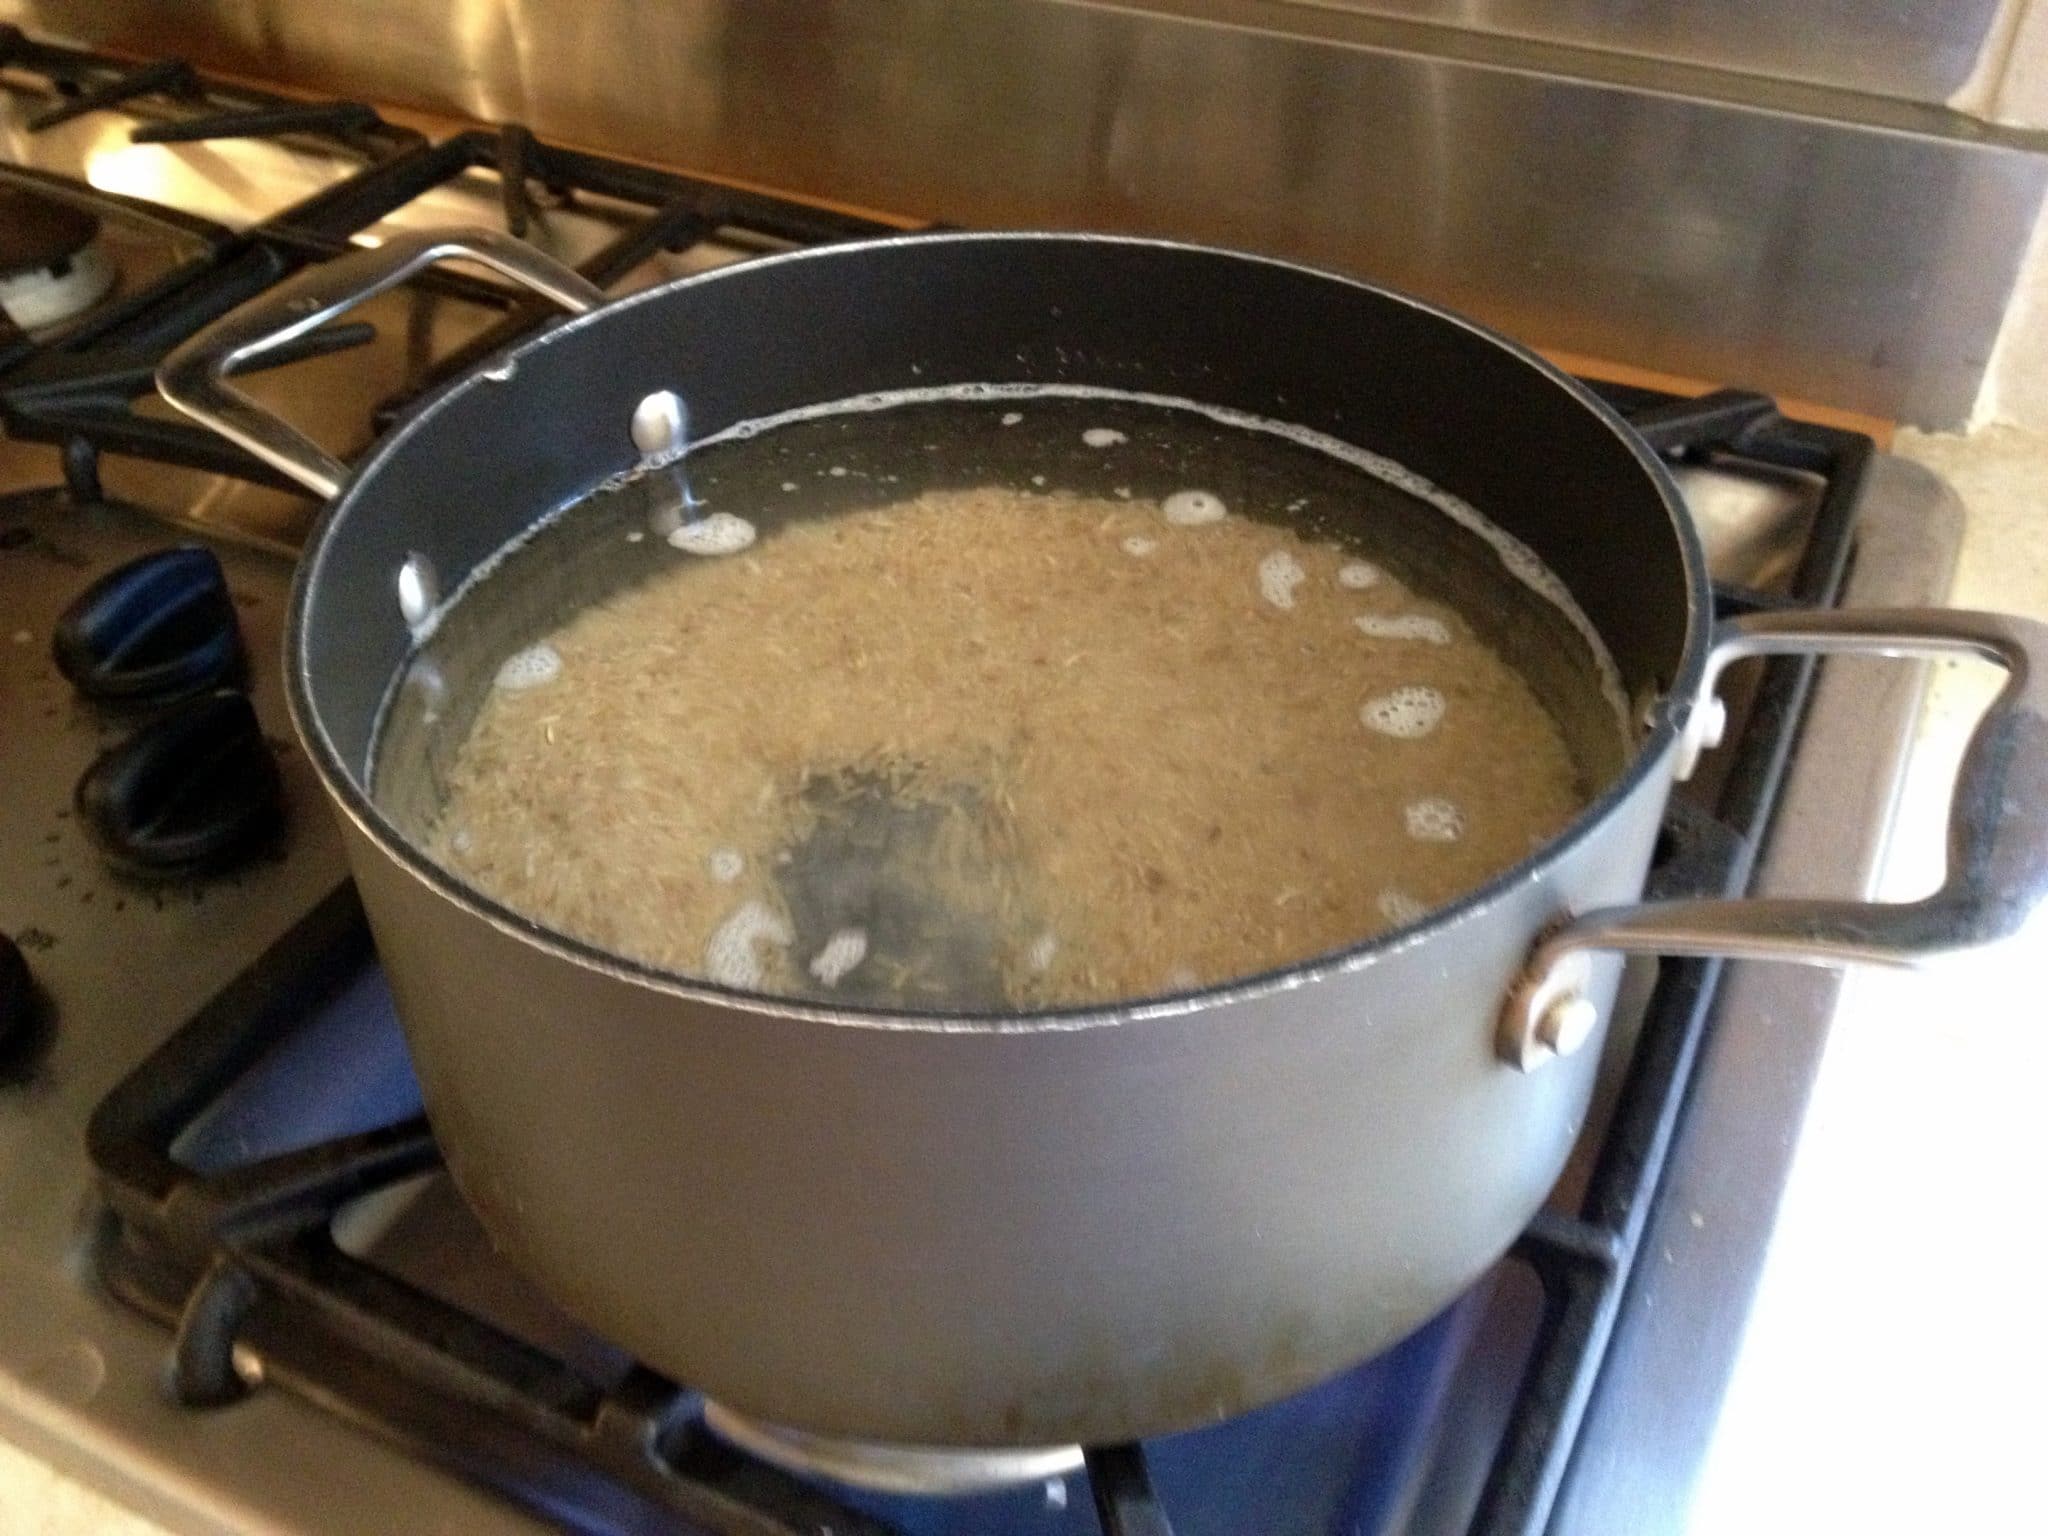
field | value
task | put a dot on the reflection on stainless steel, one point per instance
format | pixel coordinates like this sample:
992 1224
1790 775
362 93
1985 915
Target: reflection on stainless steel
894 1468
1622 213
1752 518
1682 1321
1923 50
235 182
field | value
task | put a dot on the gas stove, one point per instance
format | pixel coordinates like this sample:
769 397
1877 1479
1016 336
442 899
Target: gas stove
242 1291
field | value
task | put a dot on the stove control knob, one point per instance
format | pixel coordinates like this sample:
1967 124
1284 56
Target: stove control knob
194 791
157 629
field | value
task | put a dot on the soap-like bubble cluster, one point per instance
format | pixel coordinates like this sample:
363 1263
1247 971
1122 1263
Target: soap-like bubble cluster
531 668
733 957
1406 712
1404 626
720 533
1434 820
1103 437
1191 509
1357 575
727 865
1279 574
842 952
1137 544
1043 949
1399 908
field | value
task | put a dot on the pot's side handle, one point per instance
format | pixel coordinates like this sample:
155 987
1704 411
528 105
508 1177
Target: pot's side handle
194 378
1998 833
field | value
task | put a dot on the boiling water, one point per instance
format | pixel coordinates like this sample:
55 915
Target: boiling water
997 703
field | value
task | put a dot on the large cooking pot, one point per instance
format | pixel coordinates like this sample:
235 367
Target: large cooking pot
1090 1224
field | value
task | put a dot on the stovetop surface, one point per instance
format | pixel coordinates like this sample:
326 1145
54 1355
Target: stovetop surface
123 965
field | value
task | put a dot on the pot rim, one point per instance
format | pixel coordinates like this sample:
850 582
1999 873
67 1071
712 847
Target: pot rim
1666 719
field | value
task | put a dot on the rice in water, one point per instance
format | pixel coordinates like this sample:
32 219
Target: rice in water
1142 740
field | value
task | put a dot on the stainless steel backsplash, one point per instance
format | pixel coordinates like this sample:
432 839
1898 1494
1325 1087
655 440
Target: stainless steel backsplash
1758 192
1919 50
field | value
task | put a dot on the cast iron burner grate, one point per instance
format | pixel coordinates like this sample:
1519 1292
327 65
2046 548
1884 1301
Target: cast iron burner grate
244 1264
78 392
189 107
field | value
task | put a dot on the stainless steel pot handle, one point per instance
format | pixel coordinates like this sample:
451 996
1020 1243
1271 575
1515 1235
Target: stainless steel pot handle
194 378
1998 833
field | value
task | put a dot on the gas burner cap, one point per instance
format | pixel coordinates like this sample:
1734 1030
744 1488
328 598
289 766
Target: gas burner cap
50 269
897 1469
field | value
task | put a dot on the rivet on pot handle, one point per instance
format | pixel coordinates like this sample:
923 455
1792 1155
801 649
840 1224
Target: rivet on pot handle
194 377
1998 833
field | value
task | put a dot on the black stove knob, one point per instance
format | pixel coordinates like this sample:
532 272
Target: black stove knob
154 630
17 997
194 791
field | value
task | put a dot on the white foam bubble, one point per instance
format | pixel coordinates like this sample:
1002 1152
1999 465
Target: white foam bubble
837 471
1038 479
726 865
1279 574
1137 544
1404 626
1434 820
842 952
1043 949
1400 907
720 533
1406 712
635 535
1103 437
732 958
1123 493
1358 575
789 485
533 667
1191 509
462 841
1011 418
